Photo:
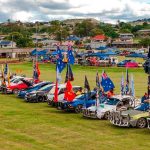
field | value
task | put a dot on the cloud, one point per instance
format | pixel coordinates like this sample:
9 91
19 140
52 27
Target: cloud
105 10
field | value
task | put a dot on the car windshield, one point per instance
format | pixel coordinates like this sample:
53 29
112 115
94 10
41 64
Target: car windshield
80 96
16 80
45 87
52 91
112 101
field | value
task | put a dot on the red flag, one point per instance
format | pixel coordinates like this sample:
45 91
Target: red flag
69 93
56 92
37 68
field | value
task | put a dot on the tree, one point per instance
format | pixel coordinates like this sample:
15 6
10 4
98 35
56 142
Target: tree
145 42
96 31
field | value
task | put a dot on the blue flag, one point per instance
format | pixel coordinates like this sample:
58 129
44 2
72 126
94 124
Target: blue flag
70 55
107 83
60 64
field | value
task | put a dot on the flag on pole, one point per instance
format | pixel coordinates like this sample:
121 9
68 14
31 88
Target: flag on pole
86 85
97 80
69 74
70 55
69 94
127 82
132 86
122 84
6 70
106 82
56 86
56 92
36 72
8 78
60 64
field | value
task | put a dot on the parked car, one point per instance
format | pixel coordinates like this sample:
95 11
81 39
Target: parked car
35 87
61 90
132 117
116 102
78 103
35 96
15 79
18 84
148 122
127 63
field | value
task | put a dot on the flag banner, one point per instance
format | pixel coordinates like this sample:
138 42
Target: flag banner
56 92
60 64
8 78
127 82
37 69
71 58
122 85
86 85
58 76
69 94
69 74
132 86
6 69
106 82
97 80
35 73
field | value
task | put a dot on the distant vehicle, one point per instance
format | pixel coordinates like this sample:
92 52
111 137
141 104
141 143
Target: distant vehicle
77 104
61 90
36 96
117 102
132 117
15 79
19 84
127 63
35 87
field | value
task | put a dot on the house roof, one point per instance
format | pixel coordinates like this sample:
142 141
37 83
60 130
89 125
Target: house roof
99 37
5 42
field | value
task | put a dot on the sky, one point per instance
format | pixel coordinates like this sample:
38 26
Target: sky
45 10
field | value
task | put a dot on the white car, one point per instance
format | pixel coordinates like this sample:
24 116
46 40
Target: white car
117 102
61 90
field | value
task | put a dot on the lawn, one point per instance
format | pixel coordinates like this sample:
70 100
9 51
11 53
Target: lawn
39 127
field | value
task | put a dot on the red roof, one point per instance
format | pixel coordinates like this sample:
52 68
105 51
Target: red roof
99 37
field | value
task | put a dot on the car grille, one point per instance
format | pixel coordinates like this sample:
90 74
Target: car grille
120 120
89 113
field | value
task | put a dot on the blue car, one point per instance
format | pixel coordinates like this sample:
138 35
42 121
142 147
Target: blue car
77 104
123 63
35 87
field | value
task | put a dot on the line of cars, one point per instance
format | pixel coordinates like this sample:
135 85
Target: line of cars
120 110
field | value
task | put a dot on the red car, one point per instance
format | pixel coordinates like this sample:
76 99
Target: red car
22 84
131 64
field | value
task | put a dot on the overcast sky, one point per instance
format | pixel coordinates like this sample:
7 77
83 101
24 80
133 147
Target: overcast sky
45 10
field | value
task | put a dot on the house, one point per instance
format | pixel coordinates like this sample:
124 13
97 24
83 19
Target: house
126 36
144 33
98 40
7 44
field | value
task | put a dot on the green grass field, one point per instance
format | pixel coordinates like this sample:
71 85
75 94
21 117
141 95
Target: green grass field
37 126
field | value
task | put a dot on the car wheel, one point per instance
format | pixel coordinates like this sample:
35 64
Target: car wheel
49 102
141 123
40 99
107 115
78 109
15 91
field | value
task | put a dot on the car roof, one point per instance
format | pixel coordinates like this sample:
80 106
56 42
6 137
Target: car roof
64 86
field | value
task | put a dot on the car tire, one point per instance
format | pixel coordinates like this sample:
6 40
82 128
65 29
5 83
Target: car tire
40 99
15 91
141 123
107 115
78 109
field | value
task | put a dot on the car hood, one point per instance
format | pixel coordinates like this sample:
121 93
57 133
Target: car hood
135 113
